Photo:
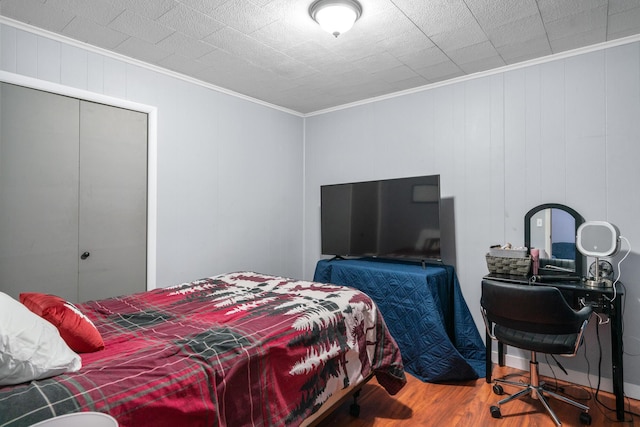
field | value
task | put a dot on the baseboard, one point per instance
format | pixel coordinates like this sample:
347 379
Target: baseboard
576 377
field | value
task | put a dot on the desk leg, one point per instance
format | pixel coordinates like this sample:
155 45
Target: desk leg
616 358
488 365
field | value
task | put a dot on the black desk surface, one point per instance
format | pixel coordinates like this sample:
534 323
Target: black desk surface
573 290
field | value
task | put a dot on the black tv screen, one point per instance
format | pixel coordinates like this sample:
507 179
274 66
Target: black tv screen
392 218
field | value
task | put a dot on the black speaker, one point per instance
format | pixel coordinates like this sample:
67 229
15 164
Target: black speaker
598 239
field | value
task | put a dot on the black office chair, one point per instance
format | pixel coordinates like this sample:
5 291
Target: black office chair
538 319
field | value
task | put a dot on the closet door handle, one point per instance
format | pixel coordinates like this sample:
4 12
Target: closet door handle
85 255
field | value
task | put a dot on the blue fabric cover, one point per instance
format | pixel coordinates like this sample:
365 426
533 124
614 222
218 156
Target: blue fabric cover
424 310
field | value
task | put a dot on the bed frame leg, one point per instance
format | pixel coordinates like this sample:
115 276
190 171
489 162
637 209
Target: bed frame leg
354 409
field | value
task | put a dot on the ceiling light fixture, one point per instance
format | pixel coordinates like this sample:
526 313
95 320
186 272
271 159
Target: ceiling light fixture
335 16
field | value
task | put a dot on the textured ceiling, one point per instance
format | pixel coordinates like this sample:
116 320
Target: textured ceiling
273 51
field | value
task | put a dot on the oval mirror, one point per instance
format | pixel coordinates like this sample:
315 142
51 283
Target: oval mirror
551 228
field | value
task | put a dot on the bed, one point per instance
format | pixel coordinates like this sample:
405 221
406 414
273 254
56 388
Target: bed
230 350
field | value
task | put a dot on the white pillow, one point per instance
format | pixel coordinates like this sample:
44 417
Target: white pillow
30 347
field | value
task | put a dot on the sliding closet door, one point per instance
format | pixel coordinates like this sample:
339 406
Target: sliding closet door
38 192
113 201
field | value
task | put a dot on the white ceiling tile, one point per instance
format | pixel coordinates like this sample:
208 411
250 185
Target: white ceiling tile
181 64
517 31
190 21
625 23
441 71
380 26
152 9
398 74
289 68
352 51
518 52
241 45
86 31
619 6
451 40
142 50
378 62
219 60
473 53
410 83
438 16
186 46
309 51
551 10
36 13
330 66
493 13
294 12
424 58
99 12
208 7
578 40
140 27
244 16
261 2
583 22
281 35
405 43
373 88
482 64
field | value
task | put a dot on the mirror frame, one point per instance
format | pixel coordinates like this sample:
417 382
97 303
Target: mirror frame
578 219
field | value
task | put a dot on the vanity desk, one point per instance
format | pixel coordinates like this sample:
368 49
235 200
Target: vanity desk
603 300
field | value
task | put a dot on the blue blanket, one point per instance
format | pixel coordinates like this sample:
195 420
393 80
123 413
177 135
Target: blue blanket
424 310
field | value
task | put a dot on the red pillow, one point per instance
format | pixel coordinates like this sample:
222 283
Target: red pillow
75 328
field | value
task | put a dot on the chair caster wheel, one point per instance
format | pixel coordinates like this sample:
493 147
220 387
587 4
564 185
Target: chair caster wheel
495 412
585 418
354 410
497 389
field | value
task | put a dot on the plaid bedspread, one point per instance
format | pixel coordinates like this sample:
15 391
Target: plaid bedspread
240 349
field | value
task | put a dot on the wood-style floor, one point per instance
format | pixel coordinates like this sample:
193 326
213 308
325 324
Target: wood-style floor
467 404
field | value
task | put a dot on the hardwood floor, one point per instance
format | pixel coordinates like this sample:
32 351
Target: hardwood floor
467 405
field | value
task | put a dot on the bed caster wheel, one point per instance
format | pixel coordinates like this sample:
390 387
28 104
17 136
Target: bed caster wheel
585 418
495 412
497 389
354 410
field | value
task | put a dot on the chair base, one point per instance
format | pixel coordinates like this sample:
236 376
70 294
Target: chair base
537 391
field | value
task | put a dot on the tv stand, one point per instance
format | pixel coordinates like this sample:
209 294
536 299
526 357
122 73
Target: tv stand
425 312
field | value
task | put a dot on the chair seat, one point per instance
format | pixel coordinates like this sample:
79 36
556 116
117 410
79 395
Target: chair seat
542 343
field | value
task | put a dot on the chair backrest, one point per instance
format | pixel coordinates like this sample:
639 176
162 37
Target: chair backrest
534 309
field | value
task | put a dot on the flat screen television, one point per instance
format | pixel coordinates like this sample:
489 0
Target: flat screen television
391 218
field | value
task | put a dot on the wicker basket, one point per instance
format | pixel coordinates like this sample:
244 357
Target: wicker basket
512 266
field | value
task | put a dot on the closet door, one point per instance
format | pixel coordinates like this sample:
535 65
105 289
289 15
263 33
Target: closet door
38 192
73 205
113 201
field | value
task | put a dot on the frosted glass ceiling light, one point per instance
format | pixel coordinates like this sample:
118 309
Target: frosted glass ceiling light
335 16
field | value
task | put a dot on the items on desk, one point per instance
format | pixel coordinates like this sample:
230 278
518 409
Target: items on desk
505 259
535 260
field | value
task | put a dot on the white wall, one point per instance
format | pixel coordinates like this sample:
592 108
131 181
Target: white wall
564 131
229 171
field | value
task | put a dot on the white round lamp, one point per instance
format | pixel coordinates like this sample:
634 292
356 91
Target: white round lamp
335 16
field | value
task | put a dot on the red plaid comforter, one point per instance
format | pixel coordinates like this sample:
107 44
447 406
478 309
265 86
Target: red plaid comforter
240 349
